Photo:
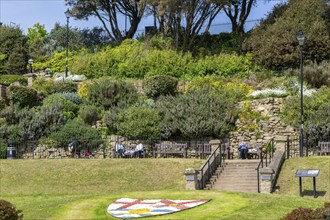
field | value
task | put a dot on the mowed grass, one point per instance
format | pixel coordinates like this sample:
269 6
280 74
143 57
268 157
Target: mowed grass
92 176
288 184
83 189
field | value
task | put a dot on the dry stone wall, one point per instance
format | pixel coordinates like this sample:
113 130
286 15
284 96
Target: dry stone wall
269 125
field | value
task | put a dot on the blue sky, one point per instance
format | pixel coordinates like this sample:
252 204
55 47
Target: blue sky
26 13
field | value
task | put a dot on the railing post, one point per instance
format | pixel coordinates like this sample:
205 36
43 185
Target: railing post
288 147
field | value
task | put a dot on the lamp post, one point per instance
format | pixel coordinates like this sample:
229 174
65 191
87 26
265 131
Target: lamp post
30 61
67 14
301 40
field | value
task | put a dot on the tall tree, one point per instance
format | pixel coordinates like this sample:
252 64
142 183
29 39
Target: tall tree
36 36
109 13
184 19
13 50
238 12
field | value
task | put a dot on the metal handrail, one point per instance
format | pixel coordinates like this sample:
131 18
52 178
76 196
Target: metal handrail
210 166
266 156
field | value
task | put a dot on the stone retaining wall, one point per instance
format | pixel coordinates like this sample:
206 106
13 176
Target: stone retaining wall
270 125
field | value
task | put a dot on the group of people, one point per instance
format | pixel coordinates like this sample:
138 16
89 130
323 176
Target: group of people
121 151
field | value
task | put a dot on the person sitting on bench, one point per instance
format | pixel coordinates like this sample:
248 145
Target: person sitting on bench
138 149
243 150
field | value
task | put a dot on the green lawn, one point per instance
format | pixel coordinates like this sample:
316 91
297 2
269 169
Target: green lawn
287 184
82 189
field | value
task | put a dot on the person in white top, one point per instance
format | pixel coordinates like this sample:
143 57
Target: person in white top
119 149
138 149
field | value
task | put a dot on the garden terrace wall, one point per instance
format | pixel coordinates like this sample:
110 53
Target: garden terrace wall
270 126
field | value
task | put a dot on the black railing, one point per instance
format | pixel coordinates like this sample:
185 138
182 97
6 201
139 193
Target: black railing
215 160
266 156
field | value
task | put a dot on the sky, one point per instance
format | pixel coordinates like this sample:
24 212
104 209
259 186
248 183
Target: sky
26 13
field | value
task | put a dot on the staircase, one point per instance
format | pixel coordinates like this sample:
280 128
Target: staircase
236 175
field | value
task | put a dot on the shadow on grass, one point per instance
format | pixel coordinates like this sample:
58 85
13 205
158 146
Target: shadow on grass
311 193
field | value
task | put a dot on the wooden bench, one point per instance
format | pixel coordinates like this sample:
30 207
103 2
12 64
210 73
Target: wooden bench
203 150
254 150
323 148
167 149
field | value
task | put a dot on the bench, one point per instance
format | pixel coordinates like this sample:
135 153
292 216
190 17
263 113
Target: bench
254 150
323 148
203 150
167 149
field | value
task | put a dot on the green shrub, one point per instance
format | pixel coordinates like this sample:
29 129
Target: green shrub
56 63
9 212
156 86
234 88
225 65
139 123
3 149
318 126
9 79
72 96
90 114
108 93
44 121
110 118
76 129
317 75
23 96
198 113
313 102
68 108
50 86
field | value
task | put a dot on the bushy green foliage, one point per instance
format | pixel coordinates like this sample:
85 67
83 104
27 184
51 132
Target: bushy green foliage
9 79
199 113
13 50
318 126
68 108
23 96
3 149
274 44
50 86
56 63
110 118
317 75
312 103
72 96
133 59
90 114
139 123
226 65
9 212
160 42
76 129
109 92
156 86
234 88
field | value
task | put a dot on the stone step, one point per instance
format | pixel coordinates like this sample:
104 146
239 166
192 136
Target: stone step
235 175
236 179
240 174
236 190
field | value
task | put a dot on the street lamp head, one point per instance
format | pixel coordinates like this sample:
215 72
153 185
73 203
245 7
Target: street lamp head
67 13
301 38
30 61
